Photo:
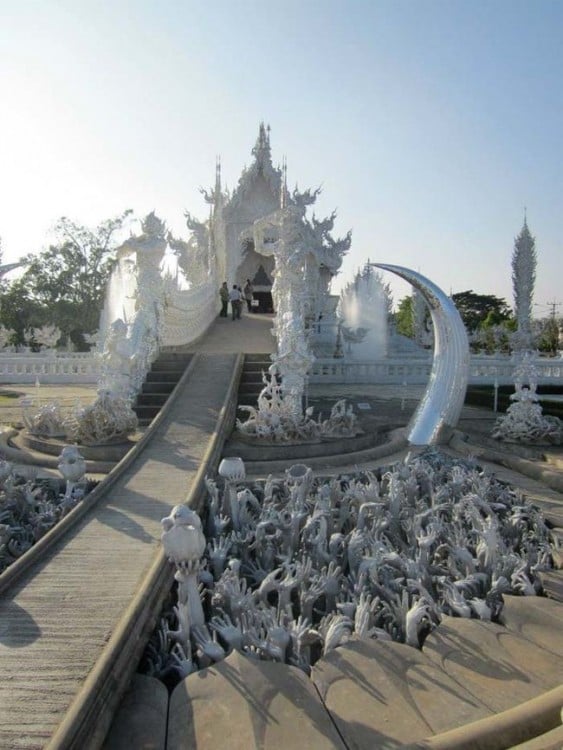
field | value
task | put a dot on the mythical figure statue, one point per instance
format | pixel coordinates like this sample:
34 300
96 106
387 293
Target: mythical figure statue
117 360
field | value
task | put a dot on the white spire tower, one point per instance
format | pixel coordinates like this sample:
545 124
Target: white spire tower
523 280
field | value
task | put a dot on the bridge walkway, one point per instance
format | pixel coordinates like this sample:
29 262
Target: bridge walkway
61 618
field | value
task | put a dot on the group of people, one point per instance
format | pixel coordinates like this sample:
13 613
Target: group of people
236 296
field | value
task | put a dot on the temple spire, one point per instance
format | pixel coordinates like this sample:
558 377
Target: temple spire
523 280
261 150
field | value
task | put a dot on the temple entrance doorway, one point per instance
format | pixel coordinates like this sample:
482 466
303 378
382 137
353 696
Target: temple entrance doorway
265 301
262 292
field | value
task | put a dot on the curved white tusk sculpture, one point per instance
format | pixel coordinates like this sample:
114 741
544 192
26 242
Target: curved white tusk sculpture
439 410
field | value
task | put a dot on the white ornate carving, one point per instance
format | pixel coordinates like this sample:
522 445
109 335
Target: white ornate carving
47 421
275 418
109 419
72 467
117 361
524 421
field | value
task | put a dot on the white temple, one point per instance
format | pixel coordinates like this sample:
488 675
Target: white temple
259 231
226 245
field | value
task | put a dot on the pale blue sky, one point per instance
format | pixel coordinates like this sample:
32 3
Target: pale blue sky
429 124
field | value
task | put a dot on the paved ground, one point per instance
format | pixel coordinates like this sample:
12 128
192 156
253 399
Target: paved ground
251 334
67 396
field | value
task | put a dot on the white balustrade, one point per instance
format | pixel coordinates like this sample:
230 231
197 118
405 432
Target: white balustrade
49 368
483 370
183 325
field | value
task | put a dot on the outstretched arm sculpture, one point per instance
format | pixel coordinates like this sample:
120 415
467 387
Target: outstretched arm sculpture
439 410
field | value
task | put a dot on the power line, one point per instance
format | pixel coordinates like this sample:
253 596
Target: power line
551 306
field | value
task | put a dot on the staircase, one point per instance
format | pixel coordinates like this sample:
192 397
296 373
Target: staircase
161 380
250 383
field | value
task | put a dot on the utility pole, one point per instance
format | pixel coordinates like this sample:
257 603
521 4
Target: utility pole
553 305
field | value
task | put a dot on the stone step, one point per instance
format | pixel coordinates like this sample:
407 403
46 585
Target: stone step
162 376
552 582
253 451
246 399
251 377
494 664
170 365
158 387
395 441
151 399
146 412
241 703
250 386
382 694
257 367
253 358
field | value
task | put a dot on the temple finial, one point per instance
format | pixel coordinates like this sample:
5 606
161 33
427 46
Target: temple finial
261 150
217 175
283 196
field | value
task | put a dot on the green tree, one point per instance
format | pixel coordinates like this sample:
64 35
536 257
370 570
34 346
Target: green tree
20 313
404 320
548 336
478 310
66 283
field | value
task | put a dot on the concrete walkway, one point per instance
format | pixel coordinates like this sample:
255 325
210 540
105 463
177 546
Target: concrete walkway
56 621
251 334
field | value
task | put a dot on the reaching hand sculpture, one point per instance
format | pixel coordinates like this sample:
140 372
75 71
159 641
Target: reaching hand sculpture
300 576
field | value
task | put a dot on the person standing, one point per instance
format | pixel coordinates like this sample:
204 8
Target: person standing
236 301
248 294
224 294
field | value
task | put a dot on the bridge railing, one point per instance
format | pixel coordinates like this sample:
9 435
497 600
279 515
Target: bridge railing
189 313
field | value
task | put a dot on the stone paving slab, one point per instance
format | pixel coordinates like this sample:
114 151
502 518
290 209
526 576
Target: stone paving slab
141 721
241 704
491 663
57 619
382 694
536 618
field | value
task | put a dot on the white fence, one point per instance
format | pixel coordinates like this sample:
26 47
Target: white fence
84 368
483 370
49 368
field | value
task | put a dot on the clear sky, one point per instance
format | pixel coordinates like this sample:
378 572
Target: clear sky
430 124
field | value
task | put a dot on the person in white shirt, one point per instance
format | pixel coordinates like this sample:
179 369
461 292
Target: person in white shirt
236 301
